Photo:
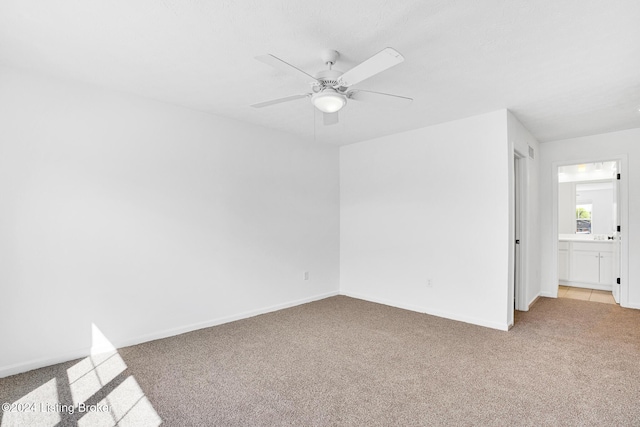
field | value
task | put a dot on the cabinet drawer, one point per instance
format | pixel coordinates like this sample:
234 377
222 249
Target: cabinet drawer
598 247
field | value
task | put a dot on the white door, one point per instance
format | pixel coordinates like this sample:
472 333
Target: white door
615 262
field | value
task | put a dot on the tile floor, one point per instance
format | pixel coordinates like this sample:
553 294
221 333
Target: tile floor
585 294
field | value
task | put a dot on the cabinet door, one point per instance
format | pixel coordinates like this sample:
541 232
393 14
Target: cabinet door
563 264
606 268
585 266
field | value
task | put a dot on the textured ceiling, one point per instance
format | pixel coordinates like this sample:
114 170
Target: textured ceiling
565 68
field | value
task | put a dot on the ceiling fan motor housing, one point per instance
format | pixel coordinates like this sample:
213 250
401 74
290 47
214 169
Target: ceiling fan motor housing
327 78
327 97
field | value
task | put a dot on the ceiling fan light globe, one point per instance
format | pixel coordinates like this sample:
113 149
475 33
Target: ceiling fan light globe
329 101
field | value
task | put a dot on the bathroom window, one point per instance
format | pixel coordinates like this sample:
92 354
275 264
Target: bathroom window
583 218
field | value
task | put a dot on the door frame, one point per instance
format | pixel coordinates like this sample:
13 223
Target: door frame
522 188
518 286
623 206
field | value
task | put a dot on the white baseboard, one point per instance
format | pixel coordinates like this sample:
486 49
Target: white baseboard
549 294
634 306
438 313
18 368
219 321
533 301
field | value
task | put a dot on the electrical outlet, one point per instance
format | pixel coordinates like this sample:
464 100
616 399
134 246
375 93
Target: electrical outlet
306 275
429 284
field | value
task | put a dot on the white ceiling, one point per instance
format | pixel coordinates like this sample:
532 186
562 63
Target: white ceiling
565 68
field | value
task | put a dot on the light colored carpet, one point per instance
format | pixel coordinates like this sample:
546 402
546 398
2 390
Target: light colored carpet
346 362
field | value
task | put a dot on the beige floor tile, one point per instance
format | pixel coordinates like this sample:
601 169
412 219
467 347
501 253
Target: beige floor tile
606 298
578 293
585 294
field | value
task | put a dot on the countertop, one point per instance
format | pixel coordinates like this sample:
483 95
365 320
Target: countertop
585 239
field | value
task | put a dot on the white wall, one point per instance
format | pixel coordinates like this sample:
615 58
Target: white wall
567 208
149 220
429 204
582 150
520 140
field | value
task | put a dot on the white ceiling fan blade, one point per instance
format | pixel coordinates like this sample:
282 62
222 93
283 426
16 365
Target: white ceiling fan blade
279 100
330 118
379 62
284 66
384 99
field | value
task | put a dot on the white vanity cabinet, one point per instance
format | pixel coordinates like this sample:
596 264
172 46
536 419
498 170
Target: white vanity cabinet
586 264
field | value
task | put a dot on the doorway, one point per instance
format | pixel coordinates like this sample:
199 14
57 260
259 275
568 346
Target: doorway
517 260
519 235
588 230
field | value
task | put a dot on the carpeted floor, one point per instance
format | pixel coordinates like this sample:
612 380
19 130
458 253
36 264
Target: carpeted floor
346 362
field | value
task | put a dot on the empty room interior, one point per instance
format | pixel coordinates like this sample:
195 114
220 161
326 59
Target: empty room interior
339 213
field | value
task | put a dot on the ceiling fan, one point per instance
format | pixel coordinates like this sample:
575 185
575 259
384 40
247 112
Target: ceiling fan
332 88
